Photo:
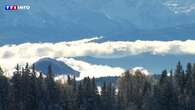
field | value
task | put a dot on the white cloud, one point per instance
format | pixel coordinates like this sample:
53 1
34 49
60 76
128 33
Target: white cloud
92 70
10 55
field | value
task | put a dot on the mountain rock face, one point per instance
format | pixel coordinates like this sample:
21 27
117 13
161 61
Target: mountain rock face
49 20
58 67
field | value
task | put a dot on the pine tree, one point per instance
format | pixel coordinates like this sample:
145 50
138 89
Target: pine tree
104 96
193 87
33 70
188 87
193 79
188 79
28 89
15 92
180 78
52 90
4 86
17 69
168 98
95 95
41 93
80 97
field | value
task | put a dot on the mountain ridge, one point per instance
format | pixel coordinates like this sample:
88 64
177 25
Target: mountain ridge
92 18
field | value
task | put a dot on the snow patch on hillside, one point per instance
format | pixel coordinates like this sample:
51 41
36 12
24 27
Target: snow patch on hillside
180 8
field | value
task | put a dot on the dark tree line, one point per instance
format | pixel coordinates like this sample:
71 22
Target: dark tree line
173 90
26 90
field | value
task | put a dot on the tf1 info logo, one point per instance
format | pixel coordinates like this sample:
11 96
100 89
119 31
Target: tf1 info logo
17 7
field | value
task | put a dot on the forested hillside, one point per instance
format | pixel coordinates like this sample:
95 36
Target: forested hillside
27 90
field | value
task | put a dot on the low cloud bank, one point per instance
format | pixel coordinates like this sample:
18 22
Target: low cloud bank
88 47
92 70
10 55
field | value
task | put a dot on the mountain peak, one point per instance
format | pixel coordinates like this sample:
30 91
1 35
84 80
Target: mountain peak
58 67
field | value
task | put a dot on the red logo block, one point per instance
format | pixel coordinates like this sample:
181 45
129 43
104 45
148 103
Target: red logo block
15 7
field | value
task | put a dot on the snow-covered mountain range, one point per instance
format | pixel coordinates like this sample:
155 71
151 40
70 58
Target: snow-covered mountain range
49 20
